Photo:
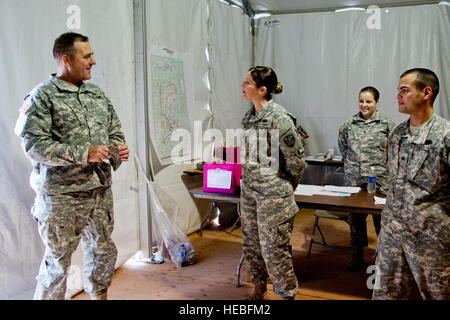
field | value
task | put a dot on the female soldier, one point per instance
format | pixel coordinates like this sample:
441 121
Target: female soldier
362 142
269 178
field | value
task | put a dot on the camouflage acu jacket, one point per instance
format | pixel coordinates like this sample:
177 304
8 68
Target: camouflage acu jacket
57 123
419 194
362 144
271 167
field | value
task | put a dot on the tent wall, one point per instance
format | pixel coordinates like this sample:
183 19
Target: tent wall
208 34
189 27
27 32
324 59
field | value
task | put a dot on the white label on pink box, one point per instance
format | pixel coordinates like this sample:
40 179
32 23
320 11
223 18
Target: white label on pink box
220 179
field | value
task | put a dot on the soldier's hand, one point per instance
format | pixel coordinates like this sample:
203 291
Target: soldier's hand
97 153
124 153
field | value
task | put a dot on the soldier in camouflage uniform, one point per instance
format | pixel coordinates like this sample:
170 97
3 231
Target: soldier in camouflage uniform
362 142
270 173
71 133
414 242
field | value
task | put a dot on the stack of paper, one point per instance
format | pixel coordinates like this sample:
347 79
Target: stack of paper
309 190
379 200
342 189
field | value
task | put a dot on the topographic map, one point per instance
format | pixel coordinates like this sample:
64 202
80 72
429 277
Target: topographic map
169 103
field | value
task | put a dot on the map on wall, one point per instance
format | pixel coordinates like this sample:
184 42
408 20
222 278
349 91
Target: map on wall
169 103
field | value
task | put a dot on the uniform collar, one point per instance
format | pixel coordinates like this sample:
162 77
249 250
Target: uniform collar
420 136
266 110
66 86
358 118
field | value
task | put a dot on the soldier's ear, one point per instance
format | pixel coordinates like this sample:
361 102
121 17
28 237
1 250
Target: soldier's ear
65 60
263 90
427 93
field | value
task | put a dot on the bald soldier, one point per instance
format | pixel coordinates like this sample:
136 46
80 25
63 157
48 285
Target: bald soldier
72 135
414 242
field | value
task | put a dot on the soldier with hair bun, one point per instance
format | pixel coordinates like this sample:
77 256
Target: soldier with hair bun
270 173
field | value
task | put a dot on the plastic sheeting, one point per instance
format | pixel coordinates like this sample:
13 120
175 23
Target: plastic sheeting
27 32
324 59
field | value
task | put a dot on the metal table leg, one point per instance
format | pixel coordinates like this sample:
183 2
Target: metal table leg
238 271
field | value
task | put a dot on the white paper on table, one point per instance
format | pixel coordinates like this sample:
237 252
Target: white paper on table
342 189
315 159
218 178
310 189
379 200
332 193
307 189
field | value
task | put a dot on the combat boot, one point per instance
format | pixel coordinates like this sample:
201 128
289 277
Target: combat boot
357 263
258 292
102 295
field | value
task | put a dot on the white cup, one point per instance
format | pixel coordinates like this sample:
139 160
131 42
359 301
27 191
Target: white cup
330 152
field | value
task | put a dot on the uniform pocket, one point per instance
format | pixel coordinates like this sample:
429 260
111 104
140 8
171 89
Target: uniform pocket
284 231
424 168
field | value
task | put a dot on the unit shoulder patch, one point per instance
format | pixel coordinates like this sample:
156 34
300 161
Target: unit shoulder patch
289 140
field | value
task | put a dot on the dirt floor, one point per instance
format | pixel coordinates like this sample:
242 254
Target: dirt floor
323 276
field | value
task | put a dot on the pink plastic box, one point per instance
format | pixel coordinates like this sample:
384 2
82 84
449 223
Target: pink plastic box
236 172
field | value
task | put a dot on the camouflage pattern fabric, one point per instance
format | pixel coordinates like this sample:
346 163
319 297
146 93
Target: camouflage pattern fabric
267 201
57 123
362 144
358 229
414 241
266 233
64 219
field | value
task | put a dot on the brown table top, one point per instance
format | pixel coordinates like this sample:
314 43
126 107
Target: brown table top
361 202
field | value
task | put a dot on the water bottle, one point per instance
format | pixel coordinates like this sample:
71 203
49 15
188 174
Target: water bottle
183 253
372 182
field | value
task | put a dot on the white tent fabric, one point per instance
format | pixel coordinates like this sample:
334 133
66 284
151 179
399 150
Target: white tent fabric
231 45
188 32
27 32
324 59
180 26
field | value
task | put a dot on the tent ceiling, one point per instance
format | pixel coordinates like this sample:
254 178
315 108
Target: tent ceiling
287 6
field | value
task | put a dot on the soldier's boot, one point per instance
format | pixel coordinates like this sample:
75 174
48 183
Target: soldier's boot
357 262
102 295
258 292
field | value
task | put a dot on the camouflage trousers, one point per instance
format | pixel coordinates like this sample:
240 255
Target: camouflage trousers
403 258
359 228
63 220
267 226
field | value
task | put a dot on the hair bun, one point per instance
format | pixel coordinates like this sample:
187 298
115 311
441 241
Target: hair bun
278 88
